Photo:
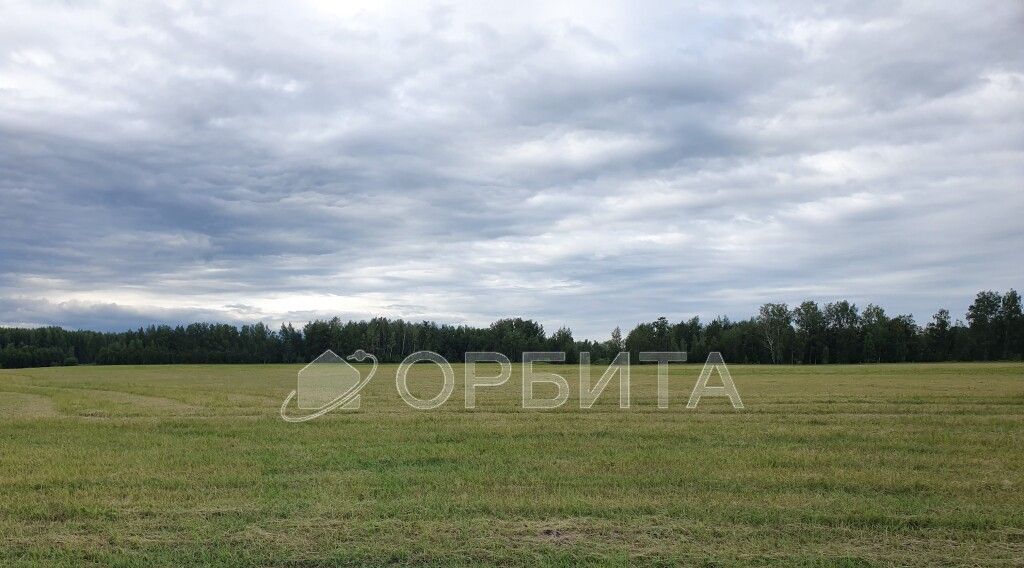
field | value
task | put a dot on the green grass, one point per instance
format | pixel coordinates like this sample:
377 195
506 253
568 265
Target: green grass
844 465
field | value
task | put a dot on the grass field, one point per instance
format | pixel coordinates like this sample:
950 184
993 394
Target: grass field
842 465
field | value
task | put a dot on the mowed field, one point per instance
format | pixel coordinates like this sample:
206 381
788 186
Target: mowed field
841 465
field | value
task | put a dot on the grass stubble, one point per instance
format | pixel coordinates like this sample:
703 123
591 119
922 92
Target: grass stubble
916 464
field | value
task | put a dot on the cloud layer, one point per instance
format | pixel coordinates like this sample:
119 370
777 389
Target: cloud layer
583 166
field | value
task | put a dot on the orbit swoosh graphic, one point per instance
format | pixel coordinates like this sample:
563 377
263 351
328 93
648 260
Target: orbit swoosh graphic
351 393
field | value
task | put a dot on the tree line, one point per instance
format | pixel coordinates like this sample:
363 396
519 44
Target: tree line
837 332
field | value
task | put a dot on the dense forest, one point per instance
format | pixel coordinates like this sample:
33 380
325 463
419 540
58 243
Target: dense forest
807 334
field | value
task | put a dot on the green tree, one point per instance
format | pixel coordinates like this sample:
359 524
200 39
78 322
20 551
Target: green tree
939 336
982 316
842 331
1011 325
776 324
810 331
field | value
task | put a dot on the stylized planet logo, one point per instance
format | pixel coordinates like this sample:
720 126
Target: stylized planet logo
328 383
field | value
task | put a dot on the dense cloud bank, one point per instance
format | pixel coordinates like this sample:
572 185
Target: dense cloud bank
580 165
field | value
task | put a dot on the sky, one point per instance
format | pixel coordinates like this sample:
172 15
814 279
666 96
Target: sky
583 165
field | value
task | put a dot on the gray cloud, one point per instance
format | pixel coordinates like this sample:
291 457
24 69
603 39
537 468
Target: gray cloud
586 167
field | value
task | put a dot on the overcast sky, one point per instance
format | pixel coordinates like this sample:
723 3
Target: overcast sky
576 164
